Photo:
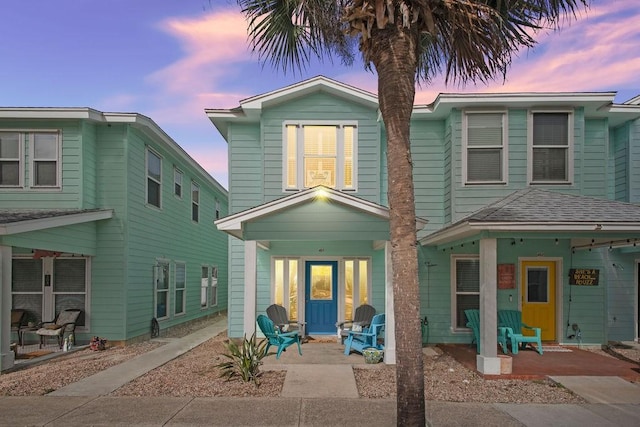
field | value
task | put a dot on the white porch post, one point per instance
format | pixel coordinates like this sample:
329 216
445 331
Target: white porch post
390 324
6 355
250 285
487 361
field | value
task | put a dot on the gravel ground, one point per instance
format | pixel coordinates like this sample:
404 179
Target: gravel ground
194 374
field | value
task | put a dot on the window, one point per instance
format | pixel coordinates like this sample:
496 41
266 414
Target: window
177 183
10 159
70 285
285 280
217 209
161 283
180 288
484 139
45 155
154 178
319 154
550 160
205 281
356 285
195 202
214 286
466 288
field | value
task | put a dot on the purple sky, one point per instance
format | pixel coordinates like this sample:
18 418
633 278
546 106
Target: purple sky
171 59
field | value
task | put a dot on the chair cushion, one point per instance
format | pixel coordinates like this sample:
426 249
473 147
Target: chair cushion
46 331
67 317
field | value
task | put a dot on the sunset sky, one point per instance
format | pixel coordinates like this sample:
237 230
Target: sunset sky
171 59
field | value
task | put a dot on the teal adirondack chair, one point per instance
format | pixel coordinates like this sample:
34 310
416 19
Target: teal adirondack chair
473 322
280 339
358 341
512 320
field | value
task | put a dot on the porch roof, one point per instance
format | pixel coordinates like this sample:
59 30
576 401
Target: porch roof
25 220
535 210
237 224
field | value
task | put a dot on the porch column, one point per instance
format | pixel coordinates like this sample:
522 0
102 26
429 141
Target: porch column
487 361
6 355
390 324
250 285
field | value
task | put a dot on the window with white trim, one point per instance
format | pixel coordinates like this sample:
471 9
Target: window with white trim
11 159
180 288
550 140
357 285
214 286
217 206
177 183
205 281
161 289
465 287
484 140
45 159
154 178
320 153
195 202
285 282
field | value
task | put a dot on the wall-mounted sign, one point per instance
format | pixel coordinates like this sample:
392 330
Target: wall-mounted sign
506 276
584 276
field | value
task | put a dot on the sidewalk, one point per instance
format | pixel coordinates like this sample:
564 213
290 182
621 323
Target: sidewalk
313 394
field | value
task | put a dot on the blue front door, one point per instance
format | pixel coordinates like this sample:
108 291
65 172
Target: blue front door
321 290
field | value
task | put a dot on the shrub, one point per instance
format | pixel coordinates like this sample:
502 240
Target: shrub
244 360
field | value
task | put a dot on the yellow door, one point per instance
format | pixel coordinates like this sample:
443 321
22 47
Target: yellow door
538 293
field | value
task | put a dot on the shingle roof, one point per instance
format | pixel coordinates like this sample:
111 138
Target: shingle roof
9 216
535 205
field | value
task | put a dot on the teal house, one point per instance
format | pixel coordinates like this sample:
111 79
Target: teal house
105 213
525 201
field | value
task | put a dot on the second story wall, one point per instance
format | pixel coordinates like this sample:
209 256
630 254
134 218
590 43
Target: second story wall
245 167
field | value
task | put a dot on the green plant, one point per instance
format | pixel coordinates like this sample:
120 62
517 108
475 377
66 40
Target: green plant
245 360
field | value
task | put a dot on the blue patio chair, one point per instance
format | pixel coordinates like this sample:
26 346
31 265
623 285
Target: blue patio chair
362 318
359 341
473 323
512 320
276 338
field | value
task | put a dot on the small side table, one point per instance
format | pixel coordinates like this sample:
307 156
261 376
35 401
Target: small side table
23 330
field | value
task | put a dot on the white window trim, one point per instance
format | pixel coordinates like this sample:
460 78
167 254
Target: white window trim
214 287
57 159
178 172
184 289
196 203
504 147
208 287
300 124
454 323
21 159
160 261
147 177
570 146
342 284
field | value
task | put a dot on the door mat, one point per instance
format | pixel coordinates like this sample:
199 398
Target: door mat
555 349
34 354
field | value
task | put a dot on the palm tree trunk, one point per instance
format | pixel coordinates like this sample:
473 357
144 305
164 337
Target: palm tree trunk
395 61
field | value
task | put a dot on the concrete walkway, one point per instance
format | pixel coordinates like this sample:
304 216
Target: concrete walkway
316 392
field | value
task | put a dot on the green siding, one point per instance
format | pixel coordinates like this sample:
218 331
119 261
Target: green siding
245 167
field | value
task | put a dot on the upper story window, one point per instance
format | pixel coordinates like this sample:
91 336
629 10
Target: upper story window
154 178
11 159
485 152
550 141
320 153
45 159
195 202
177 183
217 206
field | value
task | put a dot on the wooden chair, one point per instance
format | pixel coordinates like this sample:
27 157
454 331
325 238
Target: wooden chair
512 320
65 322
473 322
276 338
361 319
359 341
278 315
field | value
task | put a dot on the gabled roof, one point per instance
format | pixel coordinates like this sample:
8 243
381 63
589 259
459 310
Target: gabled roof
535 210
232 224
251 108
139 121
22 221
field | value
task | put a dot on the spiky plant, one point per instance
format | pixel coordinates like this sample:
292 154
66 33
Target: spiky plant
245 360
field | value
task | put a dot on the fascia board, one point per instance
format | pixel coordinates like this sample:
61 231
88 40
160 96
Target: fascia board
53 222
